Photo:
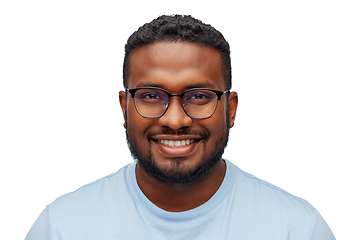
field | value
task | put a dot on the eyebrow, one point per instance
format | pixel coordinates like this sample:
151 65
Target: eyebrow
201 85
190 86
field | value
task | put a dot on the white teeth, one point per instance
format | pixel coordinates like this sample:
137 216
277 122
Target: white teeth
176 143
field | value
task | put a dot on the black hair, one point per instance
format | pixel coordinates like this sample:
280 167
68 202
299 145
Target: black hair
179 28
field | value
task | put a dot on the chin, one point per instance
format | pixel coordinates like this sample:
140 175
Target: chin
180 170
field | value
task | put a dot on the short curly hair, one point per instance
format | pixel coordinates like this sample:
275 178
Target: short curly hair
179 28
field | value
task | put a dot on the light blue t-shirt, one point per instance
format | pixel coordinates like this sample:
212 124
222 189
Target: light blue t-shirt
244 207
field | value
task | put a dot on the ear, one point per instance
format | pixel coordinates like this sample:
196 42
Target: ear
122 99
233 102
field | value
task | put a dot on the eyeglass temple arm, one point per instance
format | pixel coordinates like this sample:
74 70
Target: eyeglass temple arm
220 93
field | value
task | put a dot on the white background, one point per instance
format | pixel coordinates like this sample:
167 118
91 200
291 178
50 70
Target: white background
295 68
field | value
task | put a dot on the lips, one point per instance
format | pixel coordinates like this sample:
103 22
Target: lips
176 143
176 146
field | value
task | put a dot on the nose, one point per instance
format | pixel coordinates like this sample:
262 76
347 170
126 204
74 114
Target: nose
175 116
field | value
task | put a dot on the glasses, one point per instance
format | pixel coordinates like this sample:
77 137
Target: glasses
152 102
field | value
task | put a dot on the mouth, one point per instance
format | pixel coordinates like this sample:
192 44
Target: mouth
176 143
174 147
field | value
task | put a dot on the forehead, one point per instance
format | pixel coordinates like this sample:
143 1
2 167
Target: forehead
176 66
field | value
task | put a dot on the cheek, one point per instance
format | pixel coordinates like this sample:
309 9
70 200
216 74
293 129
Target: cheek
134 120
137 125
216 124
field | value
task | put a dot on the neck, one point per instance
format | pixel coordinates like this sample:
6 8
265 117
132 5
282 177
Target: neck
181 197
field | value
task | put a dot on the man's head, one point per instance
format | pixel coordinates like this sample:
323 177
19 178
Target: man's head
174 29
177 144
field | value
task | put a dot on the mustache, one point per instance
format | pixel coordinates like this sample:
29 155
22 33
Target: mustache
184 132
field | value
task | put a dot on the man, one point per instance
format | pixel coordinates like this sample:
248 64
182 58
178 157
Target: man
178 109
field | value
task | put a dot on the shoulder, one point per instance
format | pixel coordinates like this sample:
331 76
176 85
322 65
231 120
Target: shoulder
275 211
268 197
87 210
101 190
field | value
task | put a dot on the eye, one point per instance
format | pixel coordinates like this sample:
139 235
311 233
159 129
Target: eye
150 96
199 97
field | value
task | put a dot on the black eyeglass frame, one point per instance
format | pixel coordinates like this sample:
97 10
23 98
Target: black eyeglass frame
218 93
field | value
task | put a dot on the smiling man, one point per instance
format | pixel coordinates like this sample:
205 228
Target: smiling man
178 109
175 107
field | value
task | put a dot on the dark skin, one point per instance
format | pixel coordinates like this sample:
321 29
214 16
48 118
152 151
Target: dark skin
177 67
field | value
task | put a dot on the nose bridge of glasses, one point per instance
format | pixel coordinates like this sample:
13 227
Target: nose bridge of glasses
175 95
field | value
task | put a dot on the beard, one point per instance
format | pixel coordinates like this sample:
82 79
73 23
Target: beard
176 173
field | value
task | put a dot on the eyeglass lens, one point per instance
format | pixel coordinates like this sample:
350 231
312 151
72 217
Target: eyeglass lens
153 103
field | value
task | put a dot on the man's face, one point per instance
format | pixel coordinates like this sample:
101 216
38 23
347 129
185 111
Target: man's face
199 143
